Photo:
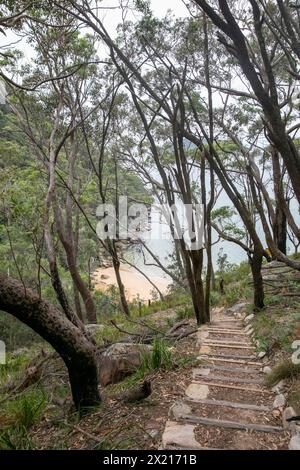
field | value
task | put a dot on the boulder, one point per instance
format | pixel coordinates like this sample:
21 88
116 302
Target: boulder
236 308
123 349
94 328
119 361
273 265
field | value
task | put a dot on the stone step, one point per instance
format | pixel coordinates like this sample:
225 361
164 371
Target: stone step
229 404
230 356
225 341
239 370
225 378
234 361
221 331
233 387
230 320
228 342
232 424
225 327
227 345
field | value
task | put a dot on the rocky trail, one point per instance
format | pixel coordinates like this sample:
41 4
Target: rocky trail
226 404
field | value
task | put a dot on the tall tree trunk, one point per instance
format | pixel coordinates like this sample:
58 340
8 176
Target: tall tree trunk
116 265
256 263
280 230
66 239
268 99
77 352
280 221
197 263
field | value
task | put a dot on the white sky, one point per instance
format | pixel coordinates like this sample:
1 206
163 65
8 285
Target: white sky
111 19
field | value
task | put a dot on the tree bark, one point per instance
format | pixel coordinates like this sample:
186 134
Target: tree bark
116 265
268 99
77 303
256 263
280 220
66 239
70 343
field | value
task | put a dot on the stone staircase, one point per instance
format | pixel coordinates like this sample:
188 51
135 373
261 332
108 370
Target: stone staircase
226 404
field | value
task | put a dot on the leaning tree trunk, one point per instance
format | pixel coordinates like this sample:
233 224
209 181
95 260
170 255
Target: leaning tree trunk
76 351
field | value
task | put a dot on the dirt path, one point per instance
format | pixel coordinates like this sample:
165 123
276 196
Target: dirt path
226 404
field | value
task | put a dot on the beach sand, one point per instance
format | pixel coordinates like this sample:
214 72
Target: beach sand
136 285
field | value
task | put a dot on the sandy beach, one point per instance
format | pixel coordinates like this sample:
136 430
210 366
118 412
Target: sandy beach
136 285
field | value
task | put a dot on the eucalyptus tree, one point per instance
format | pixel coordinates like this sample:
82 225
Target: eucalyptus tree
56 140
259 53
175 103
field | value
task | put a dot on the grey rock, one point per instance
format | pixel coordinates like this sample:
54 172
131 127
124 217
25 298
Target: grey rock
179 435
119 361
288 413
249 318
120 349
267 370
179 410
279 401
294 443
236 308
94 329
273 264
197 391
153 433
261 354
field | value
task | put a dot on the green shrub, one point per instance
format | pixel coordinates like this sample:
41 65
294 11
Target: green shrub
26 409
21 414
184 312
215 298
159 358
